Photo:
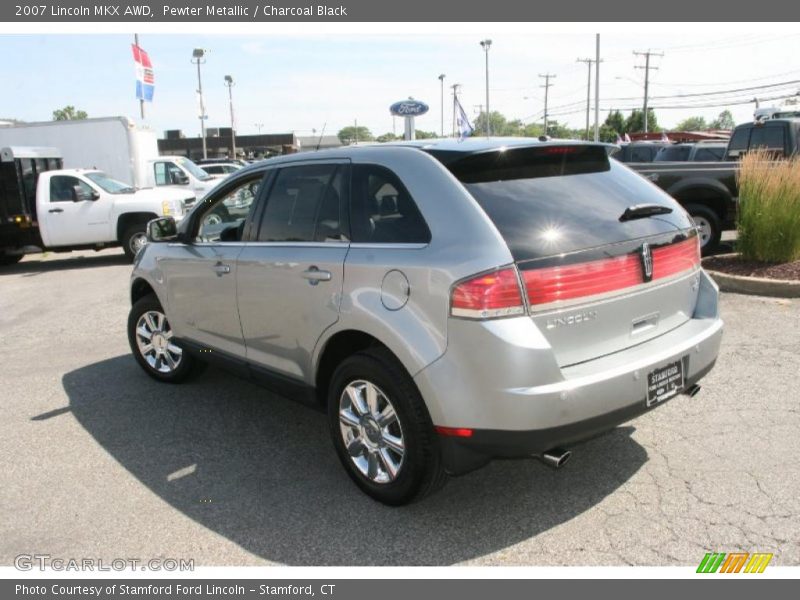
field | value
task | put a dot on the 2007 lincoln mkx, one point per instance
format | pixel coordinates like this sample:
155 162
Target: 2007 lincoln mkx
407 289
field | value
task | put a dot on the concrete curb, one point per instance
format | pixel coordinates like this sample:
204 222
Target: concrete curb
756 286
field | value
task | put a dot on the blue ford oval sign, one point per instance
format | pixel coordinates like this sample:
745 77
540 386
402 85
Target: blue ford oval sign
408 108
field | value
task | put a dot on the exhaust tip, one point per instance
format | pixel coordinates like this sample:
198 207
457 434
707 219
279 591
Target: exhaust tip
692 391
555 458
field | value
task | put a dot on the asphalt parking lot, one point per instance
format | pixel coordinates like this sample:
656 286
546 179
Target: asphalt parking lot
100 461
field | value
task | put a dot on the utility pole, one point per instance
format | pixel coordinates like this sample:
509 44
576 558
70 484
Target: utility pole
547 77
597 88
647 69
589 62
441 84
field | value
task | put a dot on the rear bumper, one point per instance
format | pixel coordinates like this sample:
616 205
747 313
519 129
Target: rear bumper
462 455
507 388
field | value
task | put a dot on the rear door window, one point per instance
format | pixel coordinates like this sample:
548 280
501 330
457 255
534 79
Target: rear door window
304 205
709 154
552 200
674 153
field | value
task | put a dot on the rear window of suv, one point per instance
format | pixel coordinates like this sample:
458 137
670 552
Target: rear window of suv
552 200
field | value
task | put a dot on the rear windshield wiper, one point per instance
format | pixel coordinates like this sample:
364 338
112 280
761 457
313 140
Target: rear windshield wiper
640 211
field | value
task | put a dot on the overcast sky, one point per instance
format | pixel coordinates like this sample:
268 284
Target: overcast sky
299 83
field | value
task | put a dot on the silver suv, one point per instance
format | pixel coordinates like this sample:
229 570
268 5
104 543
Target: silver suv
444 302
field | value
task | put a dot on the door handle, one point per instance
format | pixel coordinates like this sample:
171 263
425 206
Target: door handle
56 210
314 275
221 269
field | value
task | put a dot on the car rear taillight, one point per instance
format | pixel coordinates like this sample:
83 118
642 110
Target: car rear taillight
676 258
568 282
592 278
488 296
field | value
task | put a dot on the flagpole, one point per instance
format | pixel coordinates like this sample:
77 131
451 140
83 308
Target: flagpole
141 100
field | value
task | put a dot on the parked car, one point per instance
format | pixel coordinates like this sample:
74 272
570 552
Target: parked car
709 190
446 303
638 152
220 168
692 152
44 207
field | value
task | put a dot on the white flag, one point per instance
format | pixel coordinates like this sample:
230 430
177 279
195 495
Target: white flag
462 122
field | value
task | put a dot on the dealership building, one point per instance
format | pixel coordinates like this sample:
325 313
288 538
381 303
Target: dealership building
218 144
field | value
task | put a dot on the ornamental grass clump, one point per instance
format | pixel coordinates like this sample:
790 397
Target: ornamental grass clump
769 208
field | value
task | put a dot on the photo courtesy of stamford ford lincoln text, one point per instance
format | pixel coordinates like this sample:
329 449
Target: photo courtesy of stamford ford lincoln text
373 301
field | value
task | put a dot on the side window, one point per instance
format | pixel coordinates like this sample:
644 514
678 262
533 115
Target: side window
740 139
767 137
708 154
168 173
382 211
161 173
641 154
223 219
62 188
304 205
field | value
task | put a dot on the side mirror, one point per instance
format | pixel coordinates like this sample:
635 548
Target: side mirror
163 229
178 177
79 194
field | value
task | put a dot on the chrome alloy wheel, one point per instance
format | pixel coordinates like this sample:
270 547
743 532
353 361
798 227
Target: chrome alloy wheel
154 339
137 242
371 431
703 229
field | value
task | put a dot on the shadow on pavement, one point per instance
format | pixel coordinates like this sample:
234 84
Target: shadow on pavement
37 266
260 470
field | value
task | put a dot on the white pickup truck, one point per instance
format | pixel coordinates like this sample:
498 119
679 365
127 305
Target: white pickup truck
46 208
181 173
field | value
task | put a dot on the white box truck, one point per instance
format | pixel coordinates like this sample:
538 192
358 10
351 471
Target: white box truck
116 146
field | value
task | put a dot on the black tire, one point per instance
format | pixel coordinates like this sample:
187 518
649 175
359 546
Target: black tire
6 260
421 471
131 234
710 242
187 365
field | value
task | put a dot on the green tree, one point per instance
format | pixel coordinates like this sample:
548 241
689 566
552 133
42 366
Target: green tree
498 121
68 113
723 121
608 134
692 124
635 122
425 135
616 123
388 137
351 134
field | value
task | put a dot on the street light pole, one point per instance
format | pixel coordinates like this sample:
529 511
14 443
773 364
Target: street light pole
441 85
197 58
486 44
230 84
